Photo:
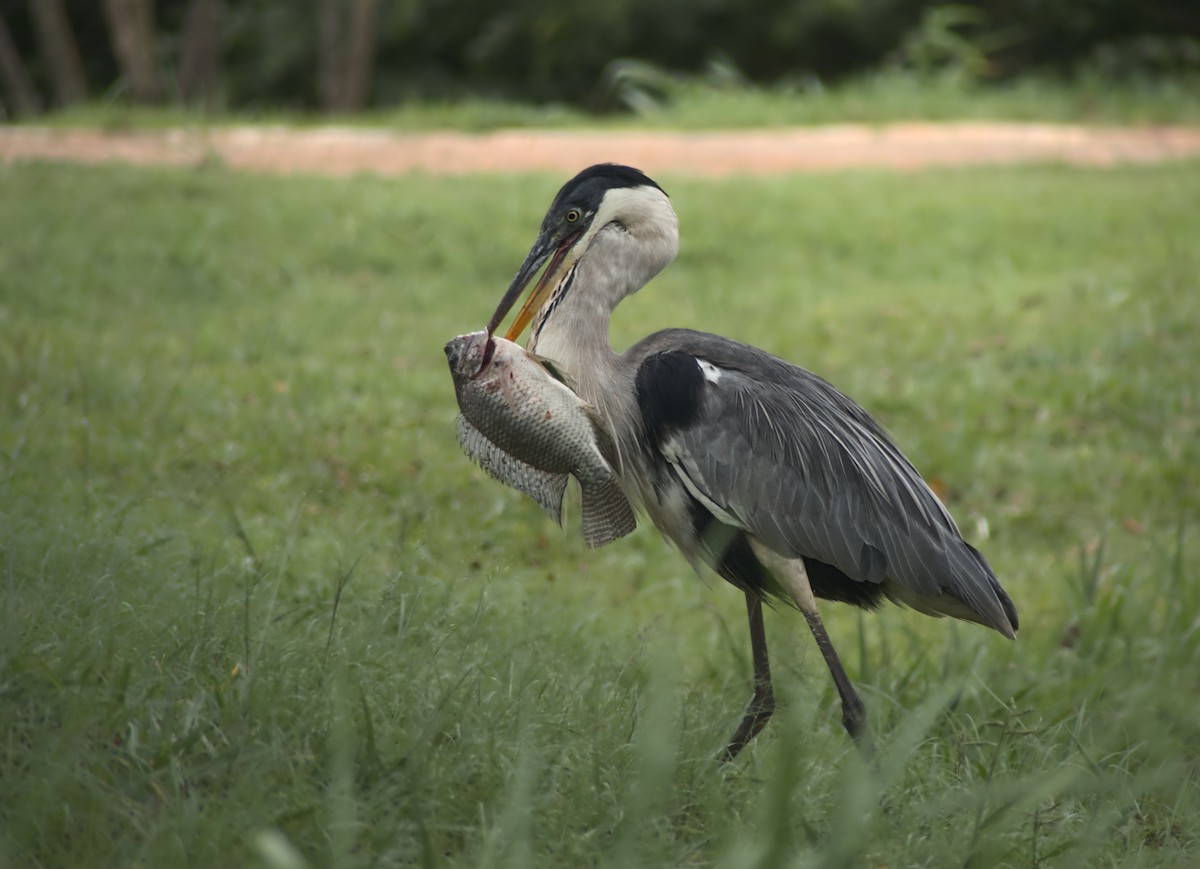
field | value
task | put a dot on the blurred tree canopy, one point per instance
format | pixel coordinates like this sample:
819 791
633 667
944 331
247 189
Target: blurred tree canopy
341 55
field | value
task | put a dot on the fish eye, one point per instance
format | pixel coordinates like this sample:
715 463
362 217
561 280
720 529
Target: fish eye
572 215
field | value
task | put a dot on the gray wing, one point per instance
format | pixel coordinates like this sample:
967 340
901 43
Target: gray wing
775 450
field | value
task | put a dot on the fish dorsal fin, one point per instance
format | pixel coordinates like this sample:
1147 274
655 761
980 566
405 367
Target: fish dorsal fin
544 487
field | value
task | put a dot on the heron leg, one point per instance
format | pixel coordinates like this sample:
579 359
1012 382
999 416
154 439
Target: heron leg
762 704
792 574
854 713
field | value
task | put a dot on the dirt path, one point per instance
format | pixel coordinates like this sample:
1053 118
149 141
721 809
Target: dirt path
345 151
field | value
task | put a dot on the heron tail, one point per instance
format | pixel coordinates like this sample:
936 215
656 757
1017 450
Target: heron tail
971 593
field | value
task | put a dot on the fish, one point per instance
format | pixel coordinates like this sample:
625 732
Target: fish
522 422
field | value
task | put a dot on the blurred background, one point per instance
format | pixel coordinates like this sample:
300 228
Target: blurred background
344 56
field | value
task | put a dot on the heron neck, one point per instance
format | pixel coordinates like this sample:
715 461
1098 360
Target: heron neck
575 336
573 327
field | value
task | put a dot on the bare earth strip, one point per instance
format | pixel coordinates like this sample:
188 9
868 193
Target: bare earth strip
346 151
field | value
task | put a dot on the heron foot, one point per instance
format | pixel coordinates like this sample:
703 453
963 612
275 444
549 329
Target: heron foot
762 704
758 713
854 719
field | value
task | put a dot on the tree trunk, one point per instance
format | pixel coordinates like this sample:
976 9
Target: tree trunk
360 58
200 55
57 42
131 26
19 92
329 53
346 52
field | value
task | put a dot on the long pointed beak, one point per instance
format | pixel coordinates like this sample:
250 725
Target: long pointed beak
538 254
543 249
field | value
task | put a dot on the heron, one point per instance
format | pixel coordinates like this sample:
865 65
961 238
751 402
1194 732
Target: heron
753 467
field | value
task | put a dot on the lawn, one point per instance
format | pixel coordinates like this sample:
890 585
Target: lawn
259 610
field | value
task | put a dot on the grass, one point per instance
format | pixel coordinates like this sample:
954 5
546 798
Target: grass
647 97
259 610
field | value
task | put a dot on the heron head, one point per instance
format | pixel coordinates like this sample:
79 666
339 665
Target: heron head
600 197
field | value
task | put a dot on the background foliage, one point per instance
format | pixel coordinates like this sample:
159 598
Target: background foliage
564 50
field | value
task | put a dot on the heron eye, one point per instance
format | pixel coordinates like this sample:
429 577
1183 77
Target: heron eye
572 215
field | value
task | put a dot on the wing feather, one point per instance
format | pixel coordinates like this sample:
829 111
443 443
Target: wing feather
782 454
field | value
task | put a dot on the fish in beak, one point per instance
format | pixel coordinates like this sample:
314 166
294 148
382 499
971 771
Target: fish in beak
530 430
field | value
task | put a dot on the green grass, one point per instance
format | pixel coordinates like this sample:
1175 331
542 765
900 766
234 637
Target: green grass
649 98
259 610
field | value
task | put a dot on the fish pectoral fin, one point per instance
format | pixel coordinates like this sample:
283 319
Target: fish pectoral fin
607 514
544 487
552 368
603 439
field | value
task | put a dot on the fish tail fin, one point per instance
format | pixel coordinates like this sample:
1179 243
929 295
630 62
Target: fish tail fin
607 515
